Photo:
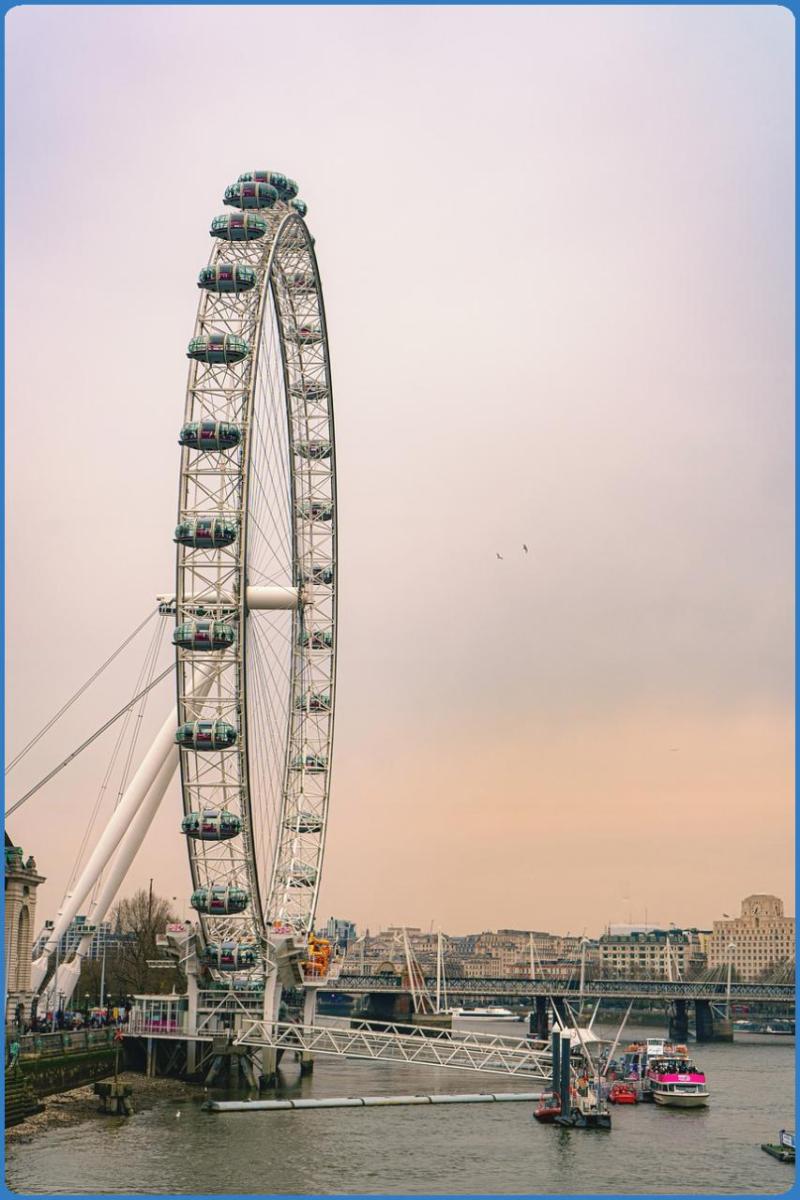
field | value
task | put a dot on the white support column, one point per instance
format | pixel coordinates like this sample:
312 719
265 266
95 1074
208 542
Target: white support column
68 973
162 750
140 791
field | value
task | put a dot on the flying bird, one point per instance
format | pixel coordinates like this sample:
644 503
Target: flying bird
499 556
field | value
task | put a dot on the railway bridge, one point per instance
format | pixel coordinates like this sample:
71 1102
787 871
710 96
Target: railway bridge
389 997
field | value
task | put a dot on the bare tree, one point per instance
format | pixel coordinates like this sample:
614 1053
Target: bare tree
142 916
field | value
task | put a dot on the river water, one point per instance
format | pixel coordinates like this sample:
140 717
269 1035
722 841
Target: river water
481 1148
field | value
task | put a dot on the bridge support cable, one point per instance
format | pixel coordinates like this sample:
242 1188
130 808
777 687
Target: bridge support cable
18 757
84 745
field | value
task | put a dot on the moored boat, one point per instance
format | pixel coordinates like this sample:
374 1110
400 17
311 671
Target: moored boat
784 1148
548 1108
674 1080
622 1093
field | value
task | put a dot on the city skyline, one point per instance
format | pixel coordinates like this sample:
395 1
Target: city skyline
560 304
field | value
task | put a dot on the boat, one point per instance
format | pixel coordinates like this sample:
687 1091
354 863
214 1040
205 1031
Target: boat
744 1031
673 1079
486 1014
784 1149
587 1111
622 1093
548 1108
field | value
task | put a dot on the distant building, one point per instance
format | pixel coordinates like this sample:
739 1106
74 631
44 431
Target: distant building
22 880
658 953
105 939
340 933
762 938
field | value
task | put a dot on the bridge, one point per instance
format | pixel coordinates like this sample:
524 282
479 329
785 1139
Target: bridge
623 989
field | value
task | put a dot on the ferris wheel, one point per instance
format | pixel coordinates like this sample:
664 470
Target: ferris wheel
255 593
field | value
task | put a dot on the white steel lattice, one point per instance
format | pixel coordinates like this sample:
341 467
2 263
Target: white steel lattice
276 683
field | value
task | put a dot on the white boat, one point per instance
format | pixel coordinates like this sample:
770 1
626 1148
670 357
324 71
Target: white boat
485 1014
675 1081
681 1095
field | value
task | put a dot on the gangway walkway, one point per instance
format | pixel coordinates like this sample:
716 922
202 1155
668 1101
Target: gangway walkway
495 1054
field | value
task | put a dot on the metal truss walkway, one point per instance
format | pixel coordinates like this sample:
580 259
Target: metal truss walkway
592 989
496 1055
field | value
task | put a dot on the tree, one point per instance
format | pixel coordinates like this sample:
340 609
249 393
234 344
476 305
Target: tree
142 916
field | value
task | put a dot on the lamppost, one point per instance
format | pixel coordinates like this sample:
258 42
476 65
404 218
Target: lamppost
103 966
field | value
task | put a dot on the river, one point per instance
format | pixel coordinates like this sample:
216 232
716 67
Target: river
483 1148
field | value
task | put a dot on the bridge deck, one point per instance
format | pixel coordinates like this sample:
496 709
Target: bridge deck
623 989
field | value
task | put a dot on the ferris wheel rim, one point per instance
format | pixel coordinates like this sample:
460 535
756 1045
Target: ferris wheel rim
262 905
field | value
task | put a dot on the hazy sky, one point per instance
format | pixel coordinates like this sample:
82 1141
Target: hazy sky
557 251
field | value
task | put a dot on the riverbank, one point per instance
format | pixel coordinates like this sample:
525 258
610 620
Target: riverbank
80 1105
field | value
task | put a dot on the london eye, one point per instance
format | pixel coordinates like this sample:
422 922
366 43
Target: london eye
255 593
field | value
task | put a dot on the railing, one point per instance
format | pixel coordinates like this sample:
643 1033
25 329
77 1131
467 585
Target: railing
623 988
497 1055
51 1045
141 1025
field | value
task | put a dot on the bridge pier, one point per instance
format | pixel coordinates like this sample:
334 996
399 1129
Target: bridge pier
395 1008
560 1010
709 1029
539 1020
679 1021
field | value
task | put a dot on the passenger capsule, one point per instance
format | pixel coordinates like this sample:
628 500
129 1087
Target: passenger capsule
299 206
250 195
238 227
316 510
224 278
229 956
309 391
210 435
218 348
285 187
302 281
306 335
204 635
312 764
206 735
299 875
219 899
211 825
323 575
313 702
206 533
315 450
318 639
303 822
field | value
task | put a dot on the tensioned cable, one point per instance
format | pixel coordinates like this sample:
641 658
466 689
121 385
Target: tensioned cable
88 742
144 674
79 693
